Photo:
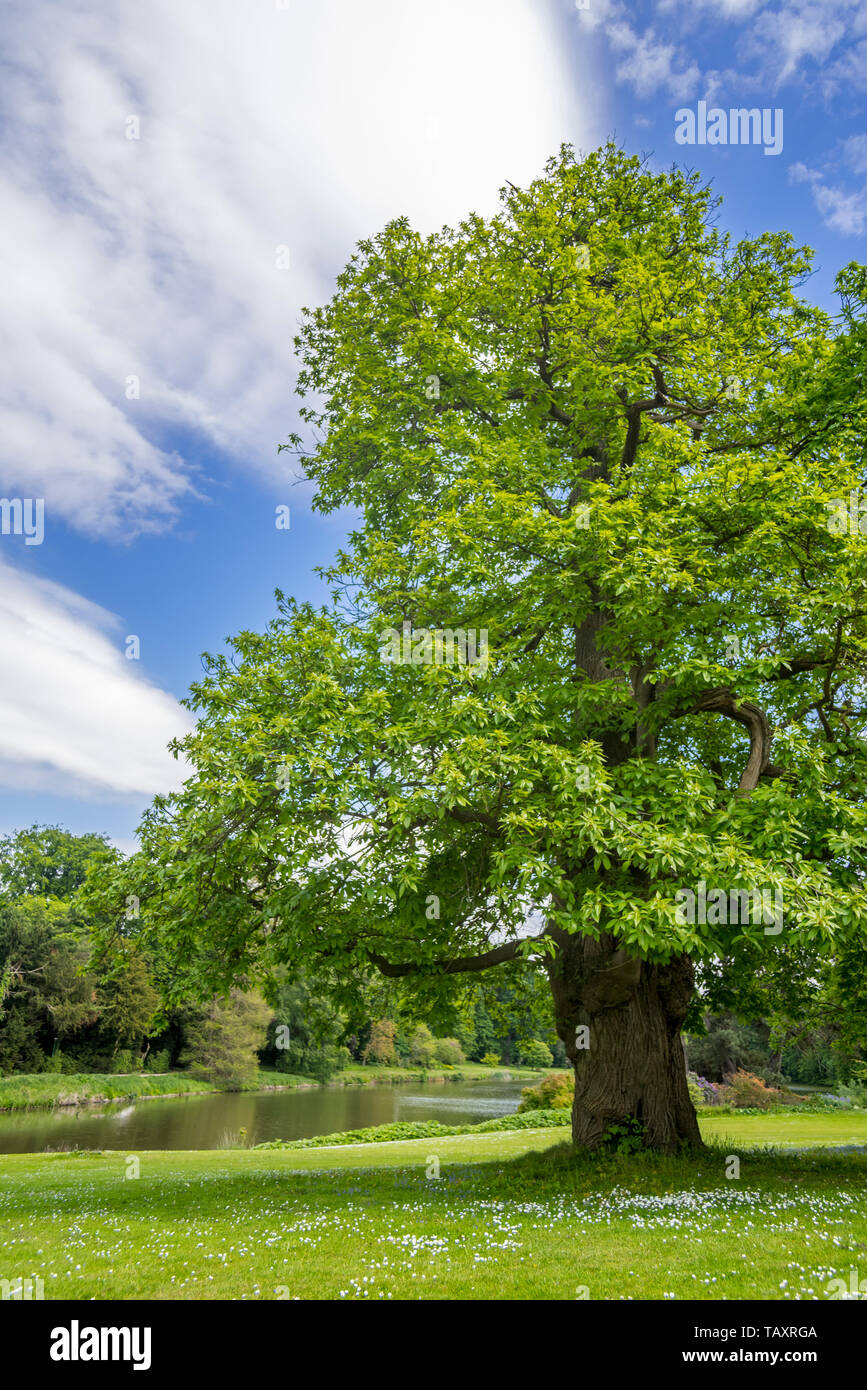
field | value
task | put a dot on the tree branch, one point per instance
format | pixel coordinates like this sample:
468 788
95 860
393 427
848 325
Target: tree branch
496 956
756 723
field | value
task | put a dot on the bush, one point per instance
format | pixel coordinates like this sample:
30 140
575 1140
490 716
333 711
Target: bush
696 1094
743 1089
421 1129
701 1091
490 1059
449 1051
552 1093
422 1046
534 1054
159 1061
122 1060
380 1049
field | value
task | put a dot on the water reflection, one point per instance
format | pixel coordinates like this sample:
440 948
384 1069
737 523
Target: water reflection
210 1121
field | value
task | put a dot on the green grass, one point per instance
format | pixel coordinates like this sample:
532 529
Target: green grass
513 1215
26 1092
48 1088
395 1076
791 1130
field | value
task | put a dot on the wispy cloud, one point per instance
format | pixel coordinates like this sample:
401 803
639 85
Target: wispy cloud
75 715
843 209
155 257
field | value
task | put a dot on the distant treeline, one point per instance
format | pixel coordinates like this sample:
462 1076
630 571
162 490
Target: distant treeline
64 1010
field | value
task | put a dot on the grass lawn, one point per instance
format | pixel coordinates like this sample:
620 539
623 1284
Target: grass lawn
511 1216
789 1130
24 1092
48 1088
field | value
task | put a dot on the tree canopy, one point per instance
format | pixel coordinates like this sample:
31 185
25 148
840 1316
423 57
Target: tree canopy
598 430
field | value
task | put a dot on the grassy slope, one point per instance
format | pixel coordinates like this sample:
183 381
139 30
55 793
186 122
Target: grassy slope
45 1089
367 1221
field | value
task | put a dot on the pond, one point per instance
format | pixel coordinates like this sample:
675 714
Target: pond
210 1121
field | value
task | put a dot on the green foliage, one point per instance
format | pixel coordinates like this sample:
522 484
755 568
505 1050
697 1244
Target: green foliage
696 1094
380 1049
484 1036
534 1054
627 1137
584 488
224 1041
423 1047
422 1129
159 1062
126 995
490 1059
449 1052
123 1060
47 861
551 1093
742 1089
305 1036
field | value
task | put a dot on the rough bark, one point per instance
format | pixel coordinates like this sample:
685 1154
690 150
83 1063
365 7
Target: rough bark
634 1064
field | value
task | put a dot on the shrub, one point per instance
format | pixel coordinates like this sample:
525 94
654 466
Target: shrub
422 1129
624 1138
490 1059
743 1089
449 1051
122 1060
422 1046
701 1091
159 1061
380 1049
535 1053
552 1093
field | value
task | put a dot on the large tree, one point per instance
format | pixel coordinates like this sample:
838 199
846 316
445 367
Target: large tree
594 428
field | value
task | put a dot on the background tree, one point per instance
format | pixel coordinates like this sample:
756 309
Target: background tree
127 999
46 861
595 428
224 1041
306 1035
380 1048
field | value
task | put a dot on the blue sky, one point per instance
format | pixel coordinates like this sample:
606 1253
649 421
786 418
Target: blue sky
154 159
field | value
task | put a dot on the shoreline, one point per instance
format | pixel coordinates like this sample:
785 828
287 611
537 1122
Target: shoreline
72 1100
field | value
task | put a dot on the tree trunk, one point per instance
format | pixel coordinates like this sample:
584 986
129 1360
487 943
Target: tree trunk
620 1020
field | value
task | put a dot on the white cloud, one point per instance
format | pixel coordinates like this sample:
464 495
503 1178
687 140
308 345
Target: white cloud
841 210
308 127
649 64
75 717
801 173
787 38
855 153
724 9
